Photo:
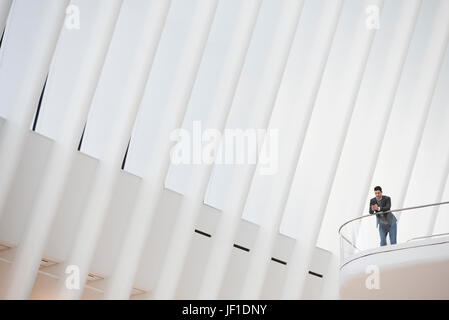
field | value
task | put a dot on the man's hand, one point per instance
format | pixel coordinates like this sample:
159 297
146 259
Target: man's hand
375 207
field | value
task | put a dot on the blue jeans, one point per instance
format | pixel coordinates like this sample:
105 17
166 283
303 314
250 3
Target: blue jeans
391 230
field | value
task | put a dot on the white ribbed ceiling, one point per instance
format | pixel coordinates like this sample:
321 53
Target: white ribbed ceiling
355 106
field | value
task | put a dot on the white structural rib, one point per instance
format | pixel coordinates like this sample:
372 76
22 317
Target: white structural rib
441 224
412 105
283 20
429 172
174 97
322 148
183 230
5 5
441 153
374 105
413 99
427 84
71 83
363 142
28 44
112 116
293 109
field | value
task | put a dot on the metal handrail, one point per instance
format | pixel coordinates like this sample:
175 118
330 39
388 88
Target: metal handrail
353 245
391 211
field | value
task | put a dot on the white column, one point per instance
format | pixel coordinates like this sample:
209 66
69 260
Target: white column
374 105
412 106
193 199
441 224
28 44
196 62
429 175
322 147
285 19
71 83
233 45
292 113
421 101
112 116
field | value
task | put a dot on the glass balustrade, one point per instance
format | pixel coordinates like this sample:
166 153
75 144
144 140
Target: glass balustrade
413 224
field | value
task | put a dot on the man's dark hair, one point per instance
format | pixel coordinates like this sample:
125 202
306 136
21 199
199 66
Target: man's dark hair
378 188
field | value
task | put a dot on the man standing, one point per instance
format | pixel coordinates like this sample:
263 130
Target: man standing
386 222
